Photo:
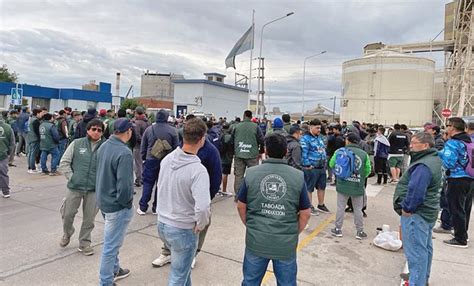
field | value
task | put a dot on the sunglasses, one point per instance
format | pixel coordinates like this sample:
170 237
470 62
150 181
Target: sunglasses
94 129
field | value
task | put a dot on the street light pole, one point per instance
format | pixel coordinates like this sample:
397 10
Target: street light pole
261 91
304 77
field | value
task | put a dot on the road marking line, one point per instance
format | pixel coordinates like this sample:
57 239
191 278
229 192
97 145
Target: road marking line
304 242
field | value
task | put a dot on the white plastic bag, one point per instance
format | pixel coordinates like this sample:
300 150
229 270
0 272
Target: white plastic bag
388 240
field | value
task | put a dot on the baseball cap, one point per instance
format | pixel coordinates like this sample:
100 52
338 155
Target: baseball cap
102 112
121 125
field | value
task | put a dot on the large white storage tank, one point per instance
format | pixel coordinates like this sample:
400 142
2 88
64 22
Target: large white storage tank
388 87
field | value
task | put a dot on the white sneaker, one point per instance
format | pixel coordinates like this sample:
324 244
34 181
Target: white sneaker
194 263
140 212
226 194
34 171
162 260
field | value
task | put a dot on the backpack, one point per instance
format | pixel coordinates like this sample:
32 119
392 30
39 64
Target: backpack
469 168
160 148
345 163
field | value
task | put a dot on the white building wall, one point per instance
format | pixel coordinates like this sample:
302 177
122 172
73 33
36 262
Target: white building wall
79 105
220 101
224 102
186 94
103 105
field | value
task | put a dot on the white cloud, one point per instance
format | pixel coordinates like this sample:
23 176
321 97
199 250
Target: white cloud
68 43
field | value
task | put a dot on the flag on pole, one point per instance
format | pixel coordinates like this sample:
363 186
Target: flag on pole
245 43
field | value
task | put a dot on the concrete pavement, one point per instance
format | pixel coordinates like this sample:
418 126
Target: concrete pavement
30 230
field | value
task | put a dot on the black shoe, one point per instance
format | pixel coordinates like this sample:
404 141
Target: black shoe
122 273
364 214
453 242
323 209
349 210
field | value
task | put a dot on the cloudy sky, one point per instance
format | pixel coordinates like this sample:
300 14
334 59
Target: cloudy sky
68 43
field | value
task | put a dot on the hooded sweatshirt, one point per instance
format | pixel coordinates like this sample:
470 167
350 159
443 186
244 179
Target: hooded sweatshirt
381 151
160 130
454 156
81 129
183 191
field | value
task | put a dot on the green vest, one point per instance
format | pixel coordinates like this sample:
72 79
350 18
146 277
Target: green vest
287 127
429 209
32 137
46 139
273 198
245 140
6 134
83 165
354 185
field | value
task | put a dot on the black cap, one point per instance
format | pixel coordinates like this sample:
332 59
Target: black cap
353 137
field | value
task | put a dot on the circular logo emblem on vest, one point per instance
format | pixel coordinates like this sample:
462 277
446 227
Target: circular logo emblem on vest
358 162
273 187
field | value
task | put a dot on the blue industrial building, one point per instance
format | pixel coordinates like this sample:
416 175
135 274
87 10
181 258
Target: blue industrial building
57 98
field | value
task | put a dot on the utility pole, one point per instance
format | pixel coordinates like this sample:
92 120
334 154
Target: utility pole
334 110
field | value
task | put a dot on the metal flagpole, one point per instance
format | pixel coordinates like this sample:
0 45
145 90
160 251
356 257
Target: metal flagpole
251 59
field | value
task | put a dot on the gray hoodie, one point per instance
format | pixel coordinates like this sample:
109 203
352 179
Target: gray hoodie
183 191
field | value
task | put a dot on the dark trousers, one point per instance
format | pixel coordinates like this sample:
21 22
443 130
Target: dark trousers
459 195
443 204
380 166
151 168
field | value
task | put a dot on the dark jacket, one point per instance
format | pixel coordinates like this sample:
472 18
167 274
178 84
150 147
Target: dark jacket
334 142
439 142
160 130
399 142
294 152
211 160
141 124
81 129
114 178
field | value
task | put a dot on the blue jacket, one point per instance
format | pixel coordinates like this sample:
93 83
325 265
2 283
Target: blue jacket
313 151
22 122
211 160
454 156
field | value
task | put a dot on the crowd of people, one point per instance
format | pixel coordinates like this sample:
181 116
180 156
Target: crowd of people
184 163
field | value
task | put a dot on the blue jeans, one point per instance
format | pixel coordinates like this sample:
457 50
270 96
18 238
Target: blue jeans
183 244
255 266
54 159
151 168
33 149
116 225
62 147
418 248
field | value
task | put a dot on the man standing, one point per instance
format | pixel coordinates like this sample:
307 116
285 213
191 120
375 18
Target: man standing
23 129
63 132
49 140
33 139
335 141
167 136
209 157
274 206
399 144
183 201
313 154
114 190
79 165
294 148
7 147
353 187
81 128
247 137
416 200
286 122
141 124
381 149
460 184
227 154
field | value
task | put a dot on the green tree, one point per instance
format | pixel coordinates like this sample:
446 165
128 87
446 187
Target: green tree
6 75
129 103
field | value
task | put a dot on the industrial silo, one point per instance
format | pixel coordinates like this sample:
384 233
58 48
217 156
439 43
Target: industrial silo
388 87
